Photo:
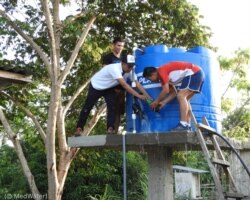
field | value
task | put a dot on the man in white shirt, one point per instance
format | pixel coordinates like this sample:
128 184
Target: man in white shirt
102 84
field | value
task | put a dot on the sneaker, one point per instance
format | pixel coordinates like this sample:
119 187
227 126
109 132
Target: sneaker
78 132
110 131
180 127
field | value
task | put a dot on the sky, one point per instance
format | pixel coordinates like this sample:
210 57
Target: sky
229 23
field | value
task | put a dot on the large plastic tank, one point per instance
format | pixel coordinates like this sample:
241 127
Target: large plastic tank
207 103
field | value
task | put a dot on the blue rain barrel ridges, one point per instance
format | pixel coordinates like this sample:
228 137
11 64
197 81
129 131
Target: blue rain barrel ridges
207 103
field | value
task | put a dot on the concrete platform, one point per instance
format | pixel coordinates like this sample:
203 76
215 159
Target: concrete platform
175 140
159 148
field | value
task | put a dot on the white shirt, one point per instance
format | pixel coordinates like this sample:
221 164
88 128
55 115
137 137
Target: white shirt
108 75
175 77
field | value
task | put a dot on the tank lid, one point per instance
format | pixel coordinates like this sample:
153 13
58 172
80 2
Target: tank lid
176 50
156 49
201 50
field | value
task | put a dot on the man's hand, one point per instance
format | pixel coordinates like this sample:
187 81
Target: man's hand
154 104
143 97
161 104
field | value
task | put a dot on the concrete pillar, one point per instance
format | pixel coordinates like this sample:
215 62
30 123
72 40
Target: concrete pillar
239 173
160 183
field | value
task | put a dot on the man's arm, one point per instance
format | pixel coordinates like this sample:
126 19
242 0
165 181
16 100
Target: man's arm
142 90
171 95
127 87
162 95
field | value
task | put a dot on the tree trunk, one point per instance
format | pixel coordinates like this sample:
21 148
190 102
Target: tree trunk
50 144
21 157
56 114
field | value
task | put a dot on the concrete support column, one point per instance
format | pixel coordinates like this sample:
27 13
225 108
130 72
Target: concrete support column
240 175
160 183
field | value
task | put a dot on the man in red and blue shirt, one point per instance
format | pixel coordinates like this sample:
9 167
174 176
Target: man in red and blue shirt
178 79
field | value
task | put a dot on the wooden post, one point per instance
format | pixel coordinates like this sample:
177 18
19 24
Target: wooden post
160 184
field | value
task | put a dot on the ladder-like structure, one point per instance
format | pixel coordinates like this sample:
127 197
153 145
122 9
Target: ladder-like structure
218 165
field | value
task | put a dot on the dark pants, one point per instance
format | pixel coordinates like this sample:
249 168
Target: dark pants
92 97
120 107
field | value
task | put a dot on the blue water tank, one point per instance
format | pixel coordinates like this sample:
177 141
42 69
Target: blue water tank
207 103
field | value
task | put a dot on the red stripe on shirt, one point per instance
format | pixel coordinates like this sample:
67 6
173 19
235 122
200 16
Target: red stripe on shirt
166 69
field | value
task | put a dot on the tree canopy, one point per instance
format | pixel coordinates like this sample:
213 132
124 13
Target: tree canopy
236 97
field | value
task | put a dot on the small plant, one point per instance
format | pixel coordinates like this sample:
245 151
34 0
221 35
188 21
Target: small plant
107 195
186 196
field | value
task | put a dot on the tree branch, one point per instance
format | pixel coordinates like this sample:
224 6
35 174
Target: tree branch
239 113
18 148
37 48
29 114
91 124
230 82
76 50
70 19
49 22
57 32
72 99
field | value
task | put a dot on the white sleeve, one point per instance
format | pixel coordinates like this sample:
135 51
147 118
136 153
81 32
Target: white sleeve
130 76
115 72
135 77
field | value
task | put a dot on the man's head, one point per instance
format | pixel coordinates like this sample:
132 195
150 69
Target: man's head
151 74
128 61
118 45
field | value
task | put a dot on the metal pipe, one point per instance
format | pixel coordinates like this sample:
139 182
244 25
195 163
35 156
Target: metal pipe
124 166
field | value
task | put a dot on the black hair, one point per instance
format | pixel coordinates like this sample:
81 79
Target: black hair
118 39
148 71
